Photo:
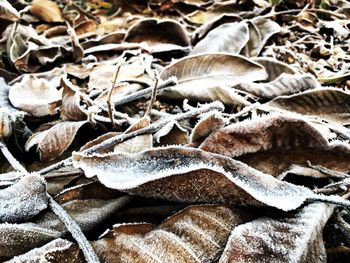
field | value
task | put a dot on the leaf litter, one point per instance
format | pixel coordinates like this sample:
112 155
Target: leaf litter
174 131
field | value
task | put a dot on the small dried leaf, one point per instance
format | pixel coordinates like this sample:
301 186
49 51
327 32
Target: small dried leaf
296 237
155 32
272 143
229 37
71 109
209 77
58 250
46 10
171 134
285 84
191 175
54 141
274 67
23 200
327 103
8 12
196 234
35 96
5 124
16 239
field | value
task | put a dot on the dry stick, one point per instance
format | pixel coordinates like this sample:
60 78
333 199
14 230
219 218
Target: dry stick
70 224
154 94
145 92
316 10
109 100
74 229
326 171
149 129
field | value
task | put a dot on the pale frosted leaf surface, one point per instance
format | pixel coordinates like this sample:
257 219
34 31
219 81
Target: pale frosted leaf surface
285 84
71 109
58 250
5 103
23 200
195 234
58 138
191 175
210 76
295 237
267 28
327 103
35 96
229 37
8 12
274 142
88 213
16 239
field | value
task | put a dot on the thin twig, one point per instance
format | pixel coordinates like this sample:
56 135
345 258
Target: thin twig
12 160
146 92
147 130
154 94
74 229
316 10
70 224
326 171
110 106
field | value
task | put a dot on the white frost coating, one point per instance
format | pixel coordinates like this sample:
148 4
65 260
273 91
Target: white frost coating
23 200
127 172
286 239
38 254
167 129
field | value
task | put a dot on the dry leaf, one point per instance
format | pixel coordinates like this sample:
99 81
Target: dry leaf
8 12
295 237
285 84
191 175
58 250
35 96
171 133
274 142
16 239
54 141
23 200
229 37
46 10
71 109
327 103
274 67
209 77
195 234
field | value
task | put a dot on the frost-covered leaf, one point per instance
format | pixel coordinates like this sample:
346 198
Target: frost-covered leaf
138 143
229 37
54 141
191 175
171 133
71 109
328 103
285 84
208 123
274 67
8 12
295 237
35 96
23 200
154 32
195 234
5 124
274 142
16 239
58 250
209 77
99 140
46 10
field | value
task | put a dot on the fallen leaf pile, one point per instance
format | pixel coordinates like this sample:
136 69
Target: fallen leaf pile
174 131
